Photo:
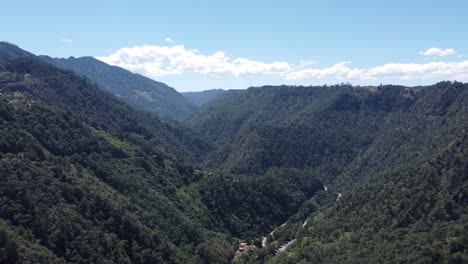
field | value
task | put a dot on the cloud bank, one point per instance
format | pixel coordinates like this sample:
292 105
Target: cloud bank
156 61
402 71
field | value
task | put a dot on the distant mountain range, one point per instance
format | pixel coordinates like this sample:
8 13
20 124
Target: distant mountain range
9 51
203 97
140 92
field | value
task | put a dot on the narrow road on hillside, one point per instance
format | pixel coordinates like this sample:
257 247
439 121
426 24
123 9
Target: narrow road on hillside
285 246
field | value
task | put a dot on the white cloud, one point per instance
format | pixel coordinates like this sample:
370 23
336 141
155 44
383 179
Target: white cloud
438 52
168 40
155 61
402 71
412 71
339 71
66 40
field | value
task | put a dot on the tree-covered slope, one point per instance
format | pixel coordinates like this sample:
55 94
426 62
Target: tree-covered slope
85 178
329 174
203 97
249 207
414 215
328 128
9 51
376 150
137 90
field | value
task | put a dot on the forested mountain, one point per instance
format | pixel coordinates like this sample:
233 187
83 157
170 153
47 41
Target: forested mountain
203 97
140 92
327 128
326 174
10 51
87 179
374 147
402 215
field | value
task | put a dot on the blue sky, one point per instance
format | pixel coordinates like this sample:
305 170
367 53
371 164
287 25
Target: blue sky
197 45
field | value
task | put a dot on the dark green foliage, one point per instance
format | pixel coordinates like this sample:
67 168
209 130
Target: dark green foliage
249 207
88 178
369 143
415 215
102 110
217 251
328 128
8 248
16 247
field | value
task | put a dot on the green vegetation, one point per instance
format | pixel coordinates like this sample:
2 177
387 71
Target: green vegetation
374 145
330 174
250 207
328 128
415 215
87 185
113 141
87 179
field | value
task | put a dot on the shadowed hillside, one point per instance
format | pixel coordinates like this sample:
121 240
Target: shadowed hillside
137 90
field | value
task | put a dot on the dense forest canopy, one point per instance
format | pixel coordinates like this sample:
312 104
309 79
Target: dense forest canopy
320 174
384 153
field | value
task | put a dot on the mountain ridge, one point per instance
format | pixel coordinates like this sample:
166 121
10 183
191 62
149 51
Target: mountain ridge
9 51
139 91
203 97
